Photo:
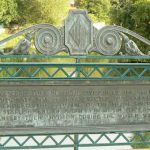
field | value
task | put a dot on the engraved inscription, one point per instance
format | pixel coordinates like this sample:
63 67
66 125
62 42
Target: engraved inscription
74 105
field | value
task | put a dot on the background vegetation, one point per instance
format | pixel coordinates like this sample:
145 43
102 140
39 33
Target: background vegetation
24 12
131 14
97 9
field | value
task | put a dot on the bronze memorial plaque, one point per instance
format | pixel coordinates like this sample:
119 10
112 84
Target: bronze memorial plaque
74 106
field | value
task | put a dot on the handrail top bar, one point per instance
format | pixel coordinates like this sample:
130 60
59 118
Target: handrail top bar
76 57
71 64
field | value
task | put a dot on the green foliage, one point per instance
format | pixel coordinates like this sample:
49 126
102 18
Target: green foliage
8 11
42 11
121 14
141 18
29 12
138 139
53 11
33 11
134 15
98 9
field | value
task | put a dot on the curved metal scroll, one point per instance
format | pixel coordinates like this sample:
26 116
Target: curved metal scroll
78 37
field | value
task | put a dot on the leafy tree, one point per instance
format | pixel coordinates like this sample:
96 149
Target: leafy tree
141 17
98 9
29 12
33 11
8 11
54 11
130 13
42 11
134 15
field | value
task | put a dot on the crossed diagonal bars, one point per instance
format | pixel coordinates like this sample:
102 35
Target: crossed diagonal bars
112 71
70 140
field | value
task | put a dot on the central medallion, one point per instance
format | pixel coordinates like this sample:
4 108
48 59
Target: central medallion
78 33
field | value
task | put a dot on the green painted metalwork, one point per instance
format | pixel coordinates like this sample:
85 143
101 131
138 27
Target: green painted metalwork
97 57
36 141
79 70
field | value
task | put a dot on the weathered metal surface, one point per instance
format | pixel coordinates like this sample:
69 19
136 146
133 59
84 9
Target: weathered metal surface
48 40
77 37
74 106
78 33
108 41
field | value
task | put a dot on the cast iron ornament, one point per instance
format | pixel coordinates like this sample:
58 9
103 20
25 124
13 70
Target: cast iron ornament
108 42
48 40
77 37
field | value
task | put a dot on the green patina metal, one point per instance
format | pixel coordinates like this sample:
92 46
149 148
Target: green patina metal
80 70
76 66
77 140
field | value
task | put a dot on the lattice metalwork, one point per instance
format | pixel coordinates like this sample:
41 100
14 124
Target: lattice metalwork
112 71
34 141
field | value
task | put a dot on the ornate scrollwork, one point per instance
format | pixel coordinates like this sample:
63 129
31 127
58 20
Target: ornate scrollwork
48 40
76 37
108 42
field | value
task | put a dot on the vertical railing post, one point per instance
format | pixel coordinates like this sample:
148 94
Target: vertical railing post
78 67
76 144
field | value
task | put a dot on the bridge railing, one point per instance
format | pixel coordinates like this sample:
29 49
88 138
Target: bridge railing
114 57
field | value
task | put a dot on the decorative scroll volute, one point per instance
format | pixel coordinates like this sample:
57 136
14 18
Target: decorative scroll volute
78 33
